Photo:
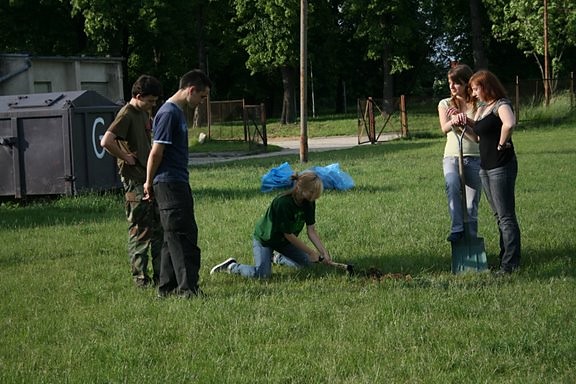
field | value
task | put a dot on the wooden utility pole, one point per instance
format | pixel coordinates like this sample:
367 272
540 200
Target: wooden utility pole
303 81
546 70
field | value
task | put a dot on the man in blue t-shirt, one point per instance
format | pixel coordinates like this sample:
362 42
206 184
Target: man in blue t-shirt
167 181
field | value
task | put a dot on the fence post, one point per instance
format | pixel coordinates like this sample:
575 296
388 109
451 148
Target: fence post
371 121
263 122
517 98
572 90
403 116
209 115
360 117
245 118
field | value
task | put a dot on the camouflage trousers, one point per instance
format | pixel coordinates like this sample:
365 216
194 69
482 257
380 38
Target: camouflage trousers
144 233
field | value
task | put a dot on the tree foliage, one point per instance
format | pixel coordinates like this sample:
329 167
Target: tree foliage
522 22
40 27
269 31
250 48
144 33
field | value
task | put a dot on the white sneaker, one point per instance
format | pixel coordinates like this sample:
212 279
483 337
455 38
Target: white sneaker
223 266
275 257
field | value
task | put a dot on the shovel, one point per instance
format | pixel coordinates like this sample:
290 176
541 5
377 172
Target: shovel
468 253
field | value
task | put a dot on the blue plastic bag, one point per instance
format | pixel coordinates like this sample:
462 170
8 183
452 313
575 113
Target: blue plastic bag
333 177
277 178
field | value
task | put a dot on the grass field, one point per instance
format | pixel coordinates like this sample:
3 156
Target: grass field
70 313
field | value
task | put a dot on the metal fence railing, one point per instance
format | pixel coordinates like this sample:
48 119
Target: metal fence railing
232 120
530 92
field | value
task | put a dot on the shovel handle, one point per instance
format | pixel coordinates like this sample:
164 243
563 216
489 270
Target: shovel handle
460 137
347 267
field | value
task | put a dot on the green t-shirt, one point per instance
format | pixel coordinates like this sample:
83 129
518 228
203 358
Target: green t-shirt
284 216
132 129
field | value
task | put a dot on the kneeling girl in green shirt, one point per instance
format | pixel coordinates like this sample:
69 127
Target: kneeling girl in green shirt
276 233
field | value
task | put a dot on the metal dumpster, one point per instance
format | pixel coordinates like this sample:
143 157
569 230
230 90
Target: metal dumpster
50 144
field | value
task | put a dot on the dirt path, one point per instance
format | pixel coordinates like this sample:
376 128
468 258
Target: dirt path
288 145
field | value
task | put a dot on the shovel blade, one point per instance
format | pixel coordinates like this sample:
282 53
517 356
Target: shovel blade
469 255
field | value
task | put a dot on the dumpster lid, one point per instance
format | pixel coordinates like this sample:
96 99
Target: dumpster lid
34 100
53 100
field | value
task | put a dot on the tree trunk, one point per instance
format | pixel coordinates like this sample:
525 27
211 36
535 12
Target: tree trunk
480 60
288 98
125 52
200 44
340 96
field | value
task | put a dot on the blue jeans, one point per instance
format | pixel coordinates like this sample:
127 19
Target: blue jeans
499 185
454 195
180 258
289 256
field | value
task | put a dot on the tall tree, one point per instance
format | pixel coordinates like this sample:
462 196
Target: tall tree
40 27
390 29
476 17
109 25
269 31
521 22
160 37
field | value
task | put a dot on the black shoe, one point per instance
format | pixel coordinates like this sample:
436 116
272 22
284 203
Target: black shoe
223 266
197 293
455 236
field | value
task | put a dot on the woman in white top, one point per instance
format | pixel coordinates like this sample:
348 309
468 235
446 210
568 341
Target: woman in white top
460 101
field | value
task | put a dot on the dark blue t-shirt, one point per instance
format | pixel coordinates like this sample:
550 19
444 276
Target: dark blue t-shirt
171 130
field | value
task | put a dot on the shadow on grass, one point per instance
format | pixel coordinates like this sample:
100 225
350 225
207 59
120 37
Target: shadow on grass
43 213
367 267
545 264
425 271
540 264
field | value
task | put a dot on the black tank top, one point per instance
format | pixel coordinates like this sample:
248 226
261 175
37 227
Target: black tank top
488 129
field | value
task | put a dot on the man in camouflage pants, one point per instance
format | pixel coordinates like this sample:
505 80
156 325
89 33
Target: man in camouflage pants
129 140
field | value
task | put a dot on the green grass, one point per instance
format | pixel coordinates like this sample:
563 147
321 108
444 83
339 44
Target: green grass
559 110
69 311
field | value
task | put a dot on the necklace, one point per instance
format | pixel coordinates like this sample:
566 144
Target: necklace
485 110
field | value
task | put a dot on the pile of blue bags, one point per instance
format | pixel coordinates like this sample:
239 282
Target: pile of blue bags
331 175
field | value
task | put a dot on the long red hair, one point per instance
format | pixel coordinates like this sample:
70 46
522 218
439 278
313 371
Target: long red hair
491 86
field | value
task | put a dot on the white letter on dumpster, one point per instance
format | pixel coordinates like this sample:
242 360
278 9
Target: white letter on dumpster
99 154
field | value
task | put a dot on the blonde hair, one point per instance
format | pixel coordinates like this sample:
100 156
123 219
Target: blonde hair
306 182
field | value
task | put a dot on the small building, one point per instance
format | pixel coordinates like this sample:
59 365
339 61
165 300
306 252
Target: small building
28 74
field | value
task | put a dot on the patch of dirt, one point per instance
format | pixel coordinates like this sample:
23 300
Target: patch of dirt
376 274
